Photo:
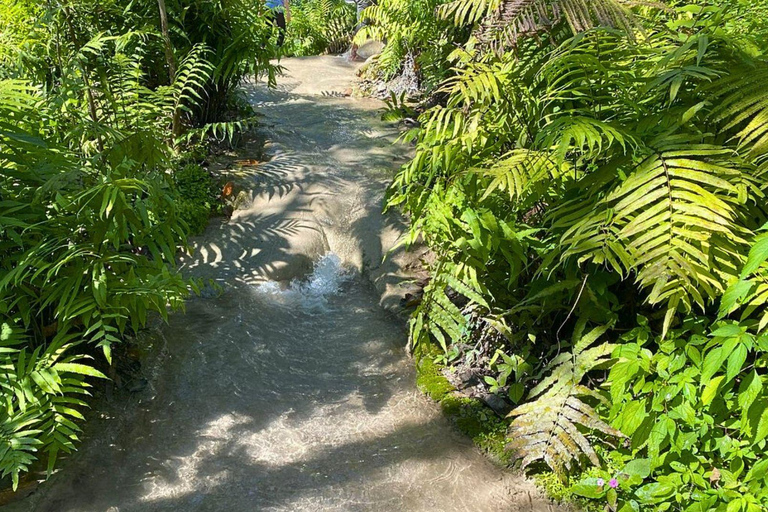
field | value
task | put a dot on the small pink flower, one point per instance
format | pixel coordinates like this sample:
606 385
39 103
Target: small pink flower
613 483
600 482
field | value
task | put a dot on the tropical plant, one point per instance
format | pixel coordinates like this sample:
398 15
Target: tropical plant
87 249
320 26
97 100
583 178
546 427
417 42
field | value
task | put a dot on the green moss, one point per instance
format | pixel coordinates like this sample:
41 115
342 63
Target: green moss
486 429
452 404
430 381
471 416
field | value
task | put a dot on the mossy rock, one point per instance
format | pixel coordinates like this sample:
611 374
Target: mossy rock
471 416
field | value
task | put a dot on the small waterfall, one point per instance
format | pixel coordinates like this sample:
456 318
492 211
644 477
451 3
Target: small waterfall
313 291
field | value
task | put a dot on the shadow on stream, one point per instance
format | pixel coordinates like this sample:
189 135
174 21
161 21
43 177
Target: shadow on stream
290 397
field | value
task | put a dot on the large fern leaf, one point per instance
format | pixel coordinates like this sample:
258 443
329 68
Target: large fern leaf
674 222
514 19
522 172
548 428
743 104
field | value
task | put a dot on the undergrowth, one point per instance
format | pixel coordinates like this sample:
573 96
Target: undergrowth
200 196
320 26
97 102
591 178
471 416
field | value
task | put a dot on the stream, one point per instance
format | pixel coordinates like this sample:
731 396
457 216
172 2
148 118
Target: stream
291 390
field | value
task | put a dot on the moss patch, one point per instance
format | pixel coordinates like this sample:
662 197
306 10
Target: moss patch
471 416
430 381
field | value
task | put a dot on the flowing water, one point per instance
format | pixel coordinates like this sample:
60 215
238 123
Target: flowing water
291 389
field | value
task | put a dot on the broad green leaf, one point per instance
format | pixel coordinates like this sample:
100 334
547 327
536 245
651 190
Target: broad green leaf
588 488
736 361
749 390
713 361
733 296
727 330
710 390
516 392
638 467
81 369
762 427
655 492
758 254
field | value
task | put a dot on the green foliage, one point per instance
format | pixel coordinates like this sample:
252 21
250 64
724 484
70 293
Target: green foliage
546 427
88 245
48 387
471 416
589 178
199 197
430 381
694 409
415 38
92 218
320 26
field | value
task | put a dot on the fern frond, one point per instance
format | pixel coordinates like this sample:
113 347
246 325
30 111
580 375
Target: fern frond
193 74
743 105
585 134
467 12
674 222
520 172
548 428
520 18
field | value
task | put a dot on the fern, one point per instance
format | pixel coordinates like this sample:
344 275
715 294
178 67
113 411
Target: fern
595 176
46 385
522 172
547 427
674 222
89 223
743 104
515 19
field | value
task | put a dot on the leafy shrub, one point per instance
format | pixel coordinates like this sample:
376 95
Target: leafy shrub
694 408
87 253
199 197
416 40
94 102
320 26
613 169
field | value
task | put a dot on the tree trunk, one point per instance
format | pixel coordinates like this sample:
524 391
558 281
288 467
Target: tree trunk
170 60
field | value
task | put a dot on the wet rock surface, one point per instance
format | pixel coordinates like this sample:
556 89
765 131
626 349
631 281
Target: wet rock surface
272 396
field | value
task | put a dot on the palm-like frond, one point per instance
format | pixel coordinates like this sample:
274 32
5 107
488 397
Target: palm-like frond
521 172
47 386
674 221
742 104
514 19
547 428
